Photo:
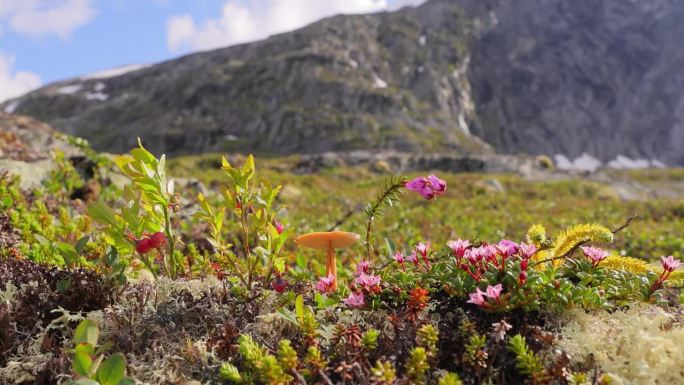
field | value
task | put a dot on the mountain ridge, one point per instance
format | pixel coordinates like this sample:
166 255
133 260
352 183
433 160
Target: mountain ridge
463 76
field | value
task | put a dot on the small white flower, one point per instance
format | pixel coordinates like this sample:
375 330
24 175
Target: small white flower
500 329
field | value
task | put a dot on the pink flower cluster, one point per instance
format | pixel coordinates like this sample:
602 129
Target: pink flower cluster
429 187
365 282
492 292
595 254
420 253
476 261
325 284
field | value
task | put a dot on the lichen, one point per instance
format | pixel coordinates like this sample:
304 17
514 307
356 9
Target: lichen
641 345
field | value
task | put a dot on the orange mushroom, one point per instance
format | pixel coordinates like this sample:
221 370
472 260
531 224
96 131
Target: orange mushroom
329 241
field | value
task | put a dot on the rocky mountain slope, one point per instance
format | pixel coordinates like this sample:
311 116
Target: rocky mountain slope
601 77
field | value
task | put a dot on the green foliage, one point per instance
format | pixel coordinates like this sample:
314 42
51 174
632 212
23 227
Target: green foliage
287 356
450 379
417 366
370 339
387 197
230 373
262 366
383 373
475 353
526 360
90 364
427 337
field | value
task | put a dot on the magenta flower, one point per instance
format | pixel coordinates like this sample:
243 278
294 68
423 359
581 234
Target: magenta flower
507 248
355 300
412 258
476 298
458 247
325 284
670 264
494 292
399 257
526 251
369 282
278 226
473 255
438 185
423 248
427 187
595 254
363 267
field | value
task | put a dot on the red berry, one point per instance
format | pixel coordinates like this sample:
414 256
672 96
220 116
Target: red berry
279 284
143 246
523 264
157 240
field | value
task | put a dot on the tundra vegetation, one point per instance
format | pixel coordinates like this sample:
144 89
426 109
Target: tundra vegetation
125 275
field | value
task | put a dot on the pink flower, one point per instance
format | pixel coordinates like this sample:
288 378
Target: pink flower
399 257
421 186
369 282
362 267
438 185
507 248
427 187
526 251
423 248
595 254
278 226
670 264
473 255
355 300
458 247
412 258
325 284
476 297
494 292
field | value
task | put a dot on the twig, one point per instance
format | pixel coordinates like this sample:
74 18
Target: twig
345 217
627 223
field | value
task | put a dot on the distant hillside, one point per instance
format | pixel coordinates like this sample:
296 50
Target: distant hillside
602 77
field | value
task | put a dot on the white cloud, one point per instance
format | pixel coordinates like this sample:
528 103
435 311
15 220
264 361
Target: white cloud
46 17
241 21
403 3
13 84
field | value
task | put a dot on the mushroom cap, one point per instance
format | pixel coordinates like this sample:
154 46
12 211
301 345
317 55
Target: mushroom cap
322 240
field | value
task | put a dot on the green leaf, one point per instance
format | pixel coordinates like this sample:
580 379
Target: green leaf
299 307
101 213
86 381
248 168
82 359
41 239
68 252
143 155
86 332
288 316
279 264
81 243
112 370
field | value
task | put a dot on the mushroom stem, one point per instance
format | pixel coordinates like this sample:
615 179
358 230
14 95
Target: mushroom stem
331 265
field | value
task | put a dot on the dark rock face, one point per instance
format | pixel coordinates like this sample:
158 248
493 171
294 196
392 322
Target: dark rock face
462 76
603 77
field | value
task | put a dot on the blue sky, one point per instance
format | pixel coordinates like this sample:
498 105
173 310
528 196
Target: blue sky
42 41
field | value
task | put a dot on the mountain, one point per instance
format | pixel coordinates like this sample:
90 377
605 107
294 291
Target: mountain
597 80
